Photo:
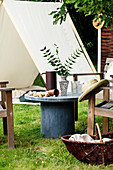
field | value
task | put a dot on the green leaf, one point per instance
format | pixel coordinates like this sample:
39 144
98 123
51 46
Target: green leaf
53 64
56 50
77 55
66 65
55 22
54 59
67 61
47 50
45 55
50 57
77 52
81 51
56 69
53 12
49 54
73 61
73 57
59 64
43 49
56 15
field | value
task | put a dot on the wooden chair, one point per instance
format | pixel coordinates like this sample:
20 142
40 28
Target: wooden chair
102 109
6 112
105 108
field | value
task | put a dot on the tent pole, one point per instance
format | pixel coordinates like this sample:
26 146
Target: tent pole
99 50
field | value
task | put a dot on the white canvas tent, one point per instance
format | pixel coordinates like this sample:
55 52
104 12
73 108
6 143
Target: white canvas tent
25 28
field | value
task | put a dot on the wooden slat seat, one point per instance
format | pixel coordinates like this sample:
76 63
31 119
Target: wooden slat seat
105 104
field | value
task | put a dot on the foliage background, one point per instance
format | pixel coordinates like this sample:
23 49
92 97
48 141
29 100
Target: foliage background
85 29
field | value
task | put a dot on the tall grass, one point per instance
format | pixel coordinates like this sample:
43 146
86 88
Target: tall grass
33 151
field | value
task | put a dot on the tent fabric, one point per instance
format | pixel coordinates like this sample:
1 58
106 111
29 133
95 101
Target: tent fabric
25 28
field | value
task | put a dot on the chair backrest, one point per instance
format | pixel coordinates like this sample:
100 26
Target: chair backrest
108 69
108 61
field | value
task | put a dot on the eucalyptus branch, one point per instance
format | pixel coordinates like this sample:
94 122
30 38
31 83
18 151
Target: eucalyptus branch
55 61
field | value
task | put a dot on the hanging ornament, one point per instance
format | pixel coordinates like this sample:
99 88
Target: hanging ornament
97 23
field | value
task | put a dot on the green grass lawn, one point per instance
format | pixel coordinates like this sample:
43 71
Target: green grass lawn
33 151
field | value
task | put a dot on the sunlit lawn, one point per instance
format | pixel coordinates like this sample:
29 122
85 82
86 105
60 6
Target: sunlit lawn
33 151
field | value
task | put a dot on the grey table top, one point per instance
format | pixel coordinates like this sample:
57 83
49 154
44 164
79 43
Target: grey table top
70 97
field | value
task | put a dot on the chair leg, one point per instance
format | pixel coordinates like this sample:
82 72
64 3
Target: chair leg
91 113
75 110
106 96
3 99
105 124
5 125
10 126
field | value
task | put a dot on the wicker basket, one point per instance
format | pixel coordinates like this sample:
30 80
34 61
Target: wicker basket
97 153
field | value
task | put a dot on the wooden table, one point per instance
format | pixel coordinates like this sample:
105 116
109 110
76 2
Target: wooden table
57 114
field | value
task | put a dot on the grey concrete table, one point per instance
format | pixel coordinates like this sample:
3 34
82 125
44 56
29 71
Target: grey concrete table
57 114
